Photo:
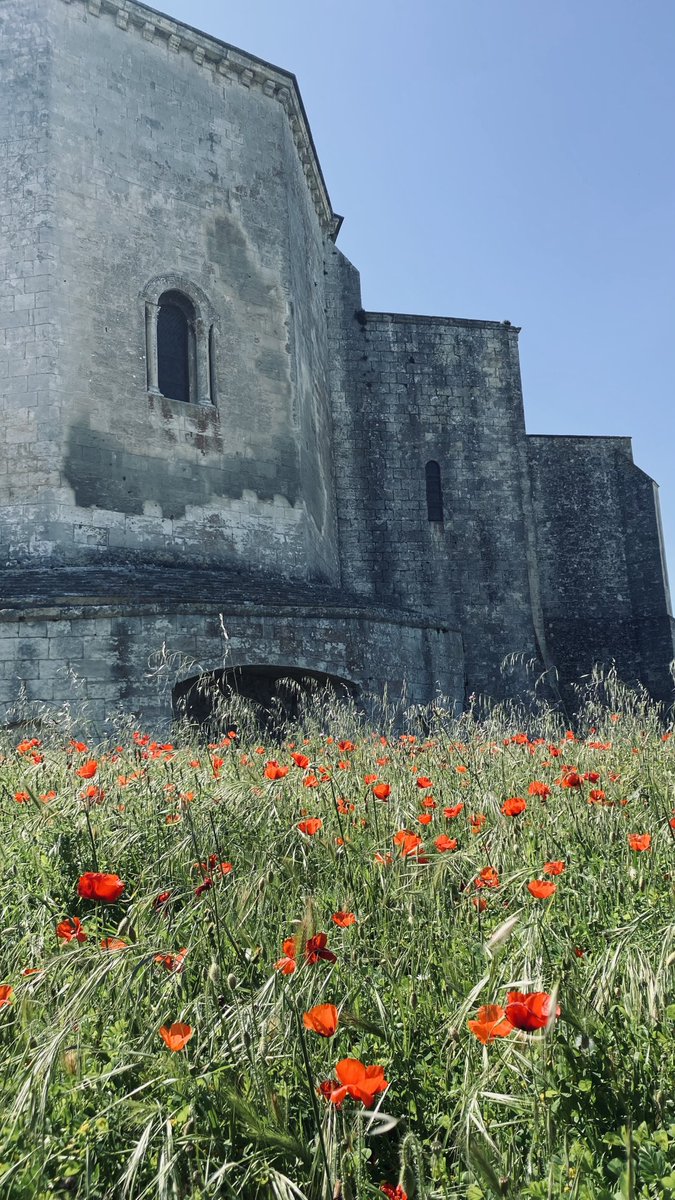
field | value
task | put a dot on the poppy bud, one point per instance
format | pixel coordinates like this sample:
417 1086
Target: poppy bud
214 972
413 1001
232 981
70 1063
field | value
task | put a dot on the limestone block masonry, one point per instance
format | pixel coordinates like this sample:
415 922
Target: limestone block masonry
349 493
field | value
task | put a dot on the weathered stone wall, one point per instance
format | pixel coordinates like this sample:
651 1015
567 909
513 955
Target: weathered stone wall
604 587
29 455
104 659
164 163
412 389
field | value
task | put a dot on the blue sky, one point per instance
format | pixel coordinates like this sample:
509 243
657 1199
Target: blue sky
504 159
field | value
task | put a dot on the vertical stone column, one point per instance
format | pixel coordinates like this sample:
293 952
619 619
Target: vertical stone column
203 380
151 313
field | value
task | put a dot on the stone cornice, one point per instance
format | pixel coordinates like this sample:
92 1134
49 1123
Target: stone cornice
228 62
88 608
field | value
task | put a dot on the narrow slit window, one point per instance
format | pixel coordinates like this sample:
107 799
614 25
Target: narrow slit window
432 473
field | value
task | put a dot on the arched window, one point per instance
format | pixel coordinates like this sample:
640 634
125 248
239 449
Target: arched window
432 473
180 339
176 347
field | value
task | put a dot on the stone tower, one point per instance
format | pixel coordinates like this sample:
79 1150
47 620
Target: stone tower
203 428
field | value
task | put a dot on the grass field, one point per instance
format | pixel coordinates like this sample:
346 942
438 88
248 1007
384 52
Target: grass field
287 969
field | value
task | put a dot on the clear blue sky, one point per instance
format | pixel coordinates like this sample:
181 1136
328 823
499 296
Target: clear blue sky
504 159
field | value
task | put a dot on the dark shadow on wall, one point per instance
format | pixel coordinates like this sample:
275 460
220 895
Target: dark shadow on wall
268 698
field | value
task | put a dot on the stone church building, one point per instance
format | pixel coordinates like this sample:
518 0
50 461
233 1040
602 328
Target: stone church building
203 429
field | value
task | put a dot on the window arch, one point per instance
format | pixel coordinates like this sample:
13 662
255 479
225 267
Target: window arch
180 341
432 473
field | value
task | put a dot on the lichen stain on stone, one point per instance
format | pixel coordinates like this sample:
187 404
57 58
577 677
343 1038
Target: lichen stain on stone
105 474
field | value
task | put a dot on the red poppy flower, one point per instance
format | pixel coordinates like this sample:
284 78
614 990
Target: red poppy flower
203 887
592 776
428 802
88 769
113 943
322 1019
479 903
423 781
477 821
95 795
327 1088
640 841
71 930
300 760
6 993
97 885
453 812
311 826
176 1036
274 771
571 779
22 797
541 889
425 818
316 949
346 746
394 1193
554 868
26 745
487 877
538 789
358 1081
161 900
490 1022
514 806
384 860
409 843
530 1010
370 779
382 791
207 866
173 962
444 843
311 781
287 964
597 795
344 919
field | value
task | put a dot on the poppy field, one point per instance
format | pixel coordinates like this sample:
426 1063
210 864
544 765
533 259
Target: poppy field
435 964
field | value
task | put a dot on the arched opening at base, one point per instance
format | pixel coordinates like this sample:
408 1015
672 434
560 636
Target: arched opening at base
269 697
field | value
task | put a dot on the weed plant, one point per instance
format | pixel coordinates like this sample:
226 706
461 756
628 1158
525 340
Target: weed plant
193 1034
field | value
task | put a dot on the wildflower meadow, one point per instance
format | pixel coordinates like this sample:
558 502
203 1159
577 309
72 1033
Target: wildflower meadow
430 959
